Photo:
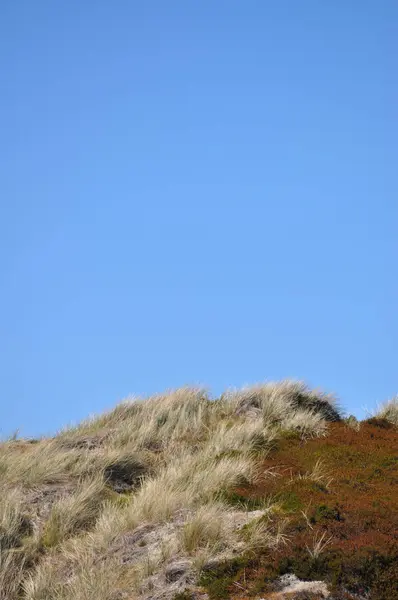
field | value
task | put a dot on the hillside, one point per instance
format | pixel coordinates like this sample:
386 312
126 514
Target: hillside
267 492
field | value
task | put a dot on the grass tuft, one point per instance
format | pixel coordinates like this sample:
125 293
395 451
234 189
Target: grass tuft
389 411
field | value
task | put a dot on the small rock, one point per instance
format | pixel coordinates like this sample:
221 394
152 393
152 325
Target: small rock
290 584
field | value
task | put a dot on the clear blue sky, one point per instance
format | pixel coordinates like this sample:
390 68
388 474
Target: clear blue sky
195 192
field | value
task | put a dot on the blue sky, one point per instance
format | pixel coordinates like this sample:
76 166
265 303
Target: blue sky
195 193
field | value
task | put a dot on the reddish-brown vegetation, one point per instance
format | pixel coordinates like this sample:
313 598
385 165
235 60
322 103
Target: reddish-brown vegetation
344 530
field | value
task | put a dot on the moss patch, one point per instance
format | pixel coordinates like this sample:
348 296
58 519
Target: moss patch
219 579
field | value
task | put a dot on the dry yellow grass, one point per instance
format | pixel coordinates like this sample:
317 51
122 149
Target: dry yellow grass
206 529
389 411
76 512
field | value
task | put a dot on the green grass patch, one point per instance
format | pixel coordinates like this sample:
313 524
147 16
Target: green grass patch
219 578
243 502
290 501
328 513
